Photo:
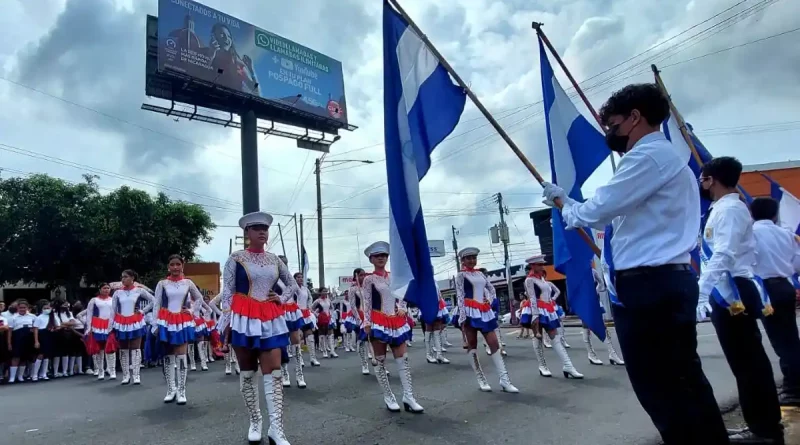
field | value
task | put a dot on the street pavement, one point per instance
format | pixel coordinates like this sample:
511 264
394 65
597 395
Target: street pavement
342 407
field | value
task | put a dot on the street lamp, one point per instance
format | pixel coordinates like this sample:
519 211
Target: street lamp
318 168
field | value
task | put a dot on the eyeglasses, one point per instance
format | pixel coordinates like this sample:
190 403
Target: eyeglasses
703 179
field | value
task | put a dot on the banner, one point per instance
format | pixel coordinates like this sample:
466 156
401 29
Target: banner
345 282
436 248
214 47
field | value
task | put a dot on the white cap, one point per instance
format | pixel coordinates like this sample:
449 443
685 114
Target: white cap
536 259
255 219
377 248
468 251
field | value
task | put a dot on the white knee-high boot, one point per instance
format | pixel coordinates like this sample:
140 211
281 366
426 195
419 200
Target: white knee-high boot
169 378
587 340
404 369
383 381
190 355
568 368
247 387
273 394
125 363
182 371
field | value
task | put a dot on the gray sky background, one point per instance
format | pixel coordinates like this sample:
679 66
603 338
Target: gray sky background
73 81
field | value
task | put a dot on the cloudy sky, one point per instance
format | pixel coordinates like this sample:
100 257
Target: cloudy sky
73 82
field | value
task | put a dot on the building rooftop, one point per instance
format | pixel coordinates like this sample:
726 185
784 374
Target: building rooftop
771 166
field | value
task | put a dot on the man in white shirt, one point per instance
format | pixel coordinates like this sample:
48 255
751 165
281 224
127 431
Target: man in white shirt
730 246
777 259
654 204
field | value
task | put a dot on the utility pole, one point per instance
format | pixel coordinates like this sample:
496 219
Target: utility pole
320 251
504 239
230 247
455 249
302 249
297 242
283 246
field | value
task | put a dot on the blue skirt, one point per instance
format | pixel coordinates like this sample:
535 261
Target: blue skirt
22 344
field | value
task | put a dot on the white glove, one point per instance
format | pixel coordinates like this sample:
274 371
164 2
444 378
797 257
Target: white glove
703 308
552 192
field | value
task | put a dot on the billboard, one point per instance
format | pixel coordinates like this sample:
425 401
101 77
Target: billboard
205 275
345 282
436 247
209 45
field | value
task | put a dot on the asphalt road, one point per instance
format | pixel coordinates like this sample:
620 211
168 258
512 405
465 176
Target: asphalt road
340 406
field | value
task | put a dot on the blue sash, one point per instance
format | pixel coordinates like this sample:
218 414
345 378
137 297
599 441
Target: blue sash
726 294
610 271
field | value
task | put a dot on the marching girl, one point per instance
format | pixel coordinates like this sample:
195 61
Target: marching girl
325 323
258 328
434 348
4 353
202 312
80 347
546 293
298 320
43 339
386 325
526 319
613 358
20 341
100 341
129 324
64 338
224 335
497 331
356 317
175 298
474 295
347 328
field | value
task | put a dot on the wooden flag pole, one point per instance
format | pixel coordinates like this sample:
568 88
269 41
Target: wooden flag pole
678 118
541 34
513 146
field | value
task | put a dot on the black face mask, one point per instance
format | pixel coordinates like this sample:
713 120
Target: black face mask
615 141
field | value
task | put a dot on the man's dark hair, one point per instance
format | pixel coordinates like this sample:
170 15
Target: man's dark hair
724 169
645 97
764 208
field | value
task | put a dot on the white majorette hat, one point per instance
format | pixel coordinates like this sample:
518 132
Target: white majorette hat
255 219
376 248
536 259
468 251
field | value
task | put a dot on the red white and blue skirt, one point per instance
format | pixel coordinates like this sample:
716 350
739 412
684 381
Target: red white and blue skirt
443 315
526 315
129 327
200 328
257 324
480 315
350 322
175 328
101 328
393 330
309 320
548 315
294 316
211 325
324 319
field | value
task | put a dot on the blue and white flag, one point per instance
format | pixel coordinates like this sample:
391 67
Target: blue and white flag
576 150
789 205
306 265
421 107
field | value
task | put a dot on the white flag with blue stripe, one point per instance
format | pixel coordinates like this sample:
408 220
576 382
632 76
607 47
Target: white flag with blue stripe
789 205
421 107
306 266
576 150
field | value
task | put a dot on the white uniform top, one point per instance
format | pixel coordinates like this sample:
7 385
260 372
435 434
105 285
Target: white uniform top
178 293
61 318
729 235
301 296
3 321
124 301
21 321
42 320
104 310
777 250
482 289
549 292
380 284
80 320
654 203
324 305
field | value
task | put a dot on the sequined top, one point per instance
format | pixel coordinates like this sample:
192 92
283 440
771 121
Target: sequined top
377 296
472 284
324 305
177 295
124 300
253 274
301 296
541 289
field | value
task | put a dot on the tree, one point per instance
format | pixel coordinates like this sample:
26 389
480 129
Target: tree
59 233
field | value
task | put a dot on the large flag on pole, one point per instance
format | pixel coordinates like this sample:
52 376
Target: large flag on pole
421 107
306 265
576 150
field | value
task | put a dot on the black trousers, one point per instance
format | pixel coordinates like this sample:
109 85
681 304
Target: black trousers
781 328
657 331
741 342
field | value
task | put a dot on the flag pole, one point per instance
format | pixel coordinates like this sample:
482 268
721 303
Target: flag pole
538 27
513 146
678 118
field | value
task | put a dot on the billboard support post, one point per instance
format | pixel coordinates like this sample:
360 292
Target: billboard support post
249 161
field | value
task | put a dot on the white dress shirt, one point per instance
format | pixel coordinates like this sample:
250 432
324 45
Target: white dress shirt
777 250
729 235
654 203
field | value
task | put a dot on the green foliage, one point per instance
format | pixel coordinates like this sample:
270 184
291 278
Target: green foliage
58 233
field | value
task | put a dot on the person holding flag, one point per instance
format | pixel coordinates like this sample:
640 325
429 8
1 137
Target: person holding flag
653 205
777 259
737 303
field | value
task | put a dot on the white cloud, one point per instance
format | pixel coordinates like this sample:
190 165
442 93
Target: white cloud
92 52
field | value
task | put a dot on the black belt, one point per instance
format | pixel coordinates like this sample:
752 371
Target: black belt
642 270
777 280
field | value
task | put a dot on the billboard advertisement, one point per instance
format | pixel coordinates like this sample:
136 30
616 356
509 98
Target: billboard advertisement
209 45
345 282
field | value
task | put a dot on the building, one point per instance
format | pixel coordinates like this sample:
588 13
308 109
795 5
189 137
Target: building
787 174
